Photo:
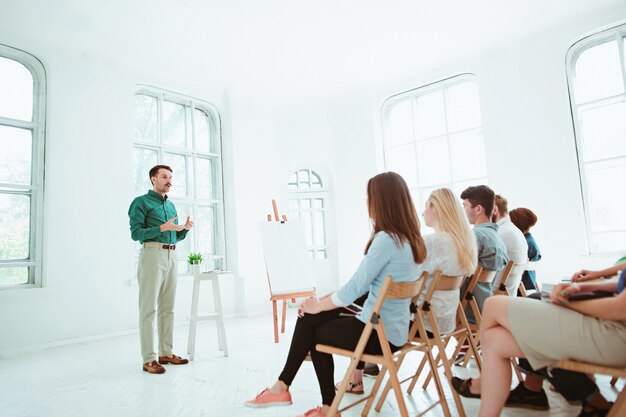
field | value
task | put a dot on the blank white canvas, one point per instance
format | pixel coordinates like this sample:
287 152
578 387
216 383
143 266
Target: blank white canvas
289 267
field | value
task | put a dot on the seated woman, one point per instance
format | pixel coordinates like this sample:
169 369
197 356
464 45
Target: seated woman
524 219
452 250
395 248
590 331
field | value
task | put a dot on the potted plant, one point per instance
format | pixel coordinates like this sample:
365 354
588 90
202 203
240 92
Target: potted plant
195 259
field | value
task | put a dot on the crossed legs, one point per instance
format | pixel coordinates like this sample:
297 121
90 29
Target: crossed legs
498 347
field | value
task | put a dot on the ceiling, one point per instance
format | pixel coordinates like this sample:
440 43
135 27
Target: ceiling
286 47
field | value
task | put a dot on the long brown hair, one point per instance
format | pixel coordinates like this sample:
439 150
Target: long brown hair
391 209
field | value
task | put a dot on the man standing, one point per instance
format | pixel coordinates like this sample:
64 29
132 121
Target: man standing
515 242
153 222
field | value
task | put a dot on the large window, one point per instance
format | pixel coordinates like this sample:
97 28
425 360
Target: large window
307 204
22 122
433 137
184 133
597 78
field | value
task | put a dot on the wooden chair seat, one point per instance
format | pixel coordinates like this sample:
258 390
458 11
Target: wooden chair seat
619 408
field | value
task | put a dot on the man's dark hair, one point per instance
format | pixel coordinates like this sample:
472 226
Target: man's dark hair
155 170
480 194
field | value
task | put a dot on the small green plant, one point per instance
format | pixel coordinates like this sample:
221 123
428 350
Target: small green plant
195 258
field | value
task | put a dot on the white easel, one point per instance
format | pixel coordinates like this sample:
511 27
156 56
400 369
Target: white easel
276 271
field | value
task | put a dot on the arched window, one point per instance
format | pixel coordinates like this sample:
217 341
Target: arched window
433 136
307 204
596 76
185 134
22 136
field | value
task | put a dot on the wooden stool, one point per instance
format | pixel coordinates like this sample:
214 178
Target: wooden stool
218 315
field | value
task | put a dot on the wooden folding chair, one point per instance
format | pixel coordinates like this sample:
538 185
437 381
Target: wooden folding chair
464 331
511 270
619 408
424 310
529 266
389 290
483 276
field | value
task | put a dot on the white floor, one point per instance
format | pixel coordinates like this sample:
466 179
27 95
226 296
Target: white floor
104 378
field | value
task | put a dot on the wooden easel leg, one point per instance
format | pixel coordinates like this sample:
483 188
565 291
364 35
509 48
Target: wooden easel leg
282 327
274 310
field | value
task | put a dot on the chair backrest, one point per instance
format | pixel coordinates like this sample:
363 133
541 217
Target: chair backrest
511 271
486 275
441 282
531 265
480 275
397 290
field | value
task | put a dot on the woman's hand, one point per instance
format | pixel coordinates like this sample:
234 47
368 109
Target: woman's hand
586 275
309 305
561 293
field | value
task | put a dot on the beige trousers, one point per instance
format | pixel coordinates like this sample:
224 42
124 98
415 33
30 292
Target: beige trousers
156 270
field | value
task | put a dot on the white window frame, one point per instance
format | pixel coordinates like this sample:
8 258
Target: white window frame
618 34
36 188
412 94
315 190
219 241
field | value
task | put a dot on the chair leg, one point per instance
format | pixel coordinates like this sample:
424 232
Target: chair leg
448 373
619 408
375 388
437 359
435 374
395 383
417 374
387 388
334 407
520 378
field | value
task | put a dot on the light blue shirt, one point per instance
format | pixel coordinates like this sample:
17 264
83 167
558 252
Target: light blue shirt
384 257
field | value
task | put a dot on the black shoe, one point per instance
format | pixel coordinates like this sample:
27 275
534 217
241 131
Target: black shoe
462 387
522 397
371 369
589 411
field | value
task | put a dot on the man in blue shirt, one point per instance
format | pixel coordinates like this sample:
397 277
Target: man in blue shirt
478 202
153 222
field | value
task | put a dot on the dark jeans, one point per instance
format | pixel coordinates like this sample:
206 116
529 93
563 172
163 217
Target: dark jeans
573 386
330 329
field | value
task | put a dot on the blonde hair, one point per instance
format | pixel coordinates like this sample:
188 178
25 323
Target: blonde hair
452 220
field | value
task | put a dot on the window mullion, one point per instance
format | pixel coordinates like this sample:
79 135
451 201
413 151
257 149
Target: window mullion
620 49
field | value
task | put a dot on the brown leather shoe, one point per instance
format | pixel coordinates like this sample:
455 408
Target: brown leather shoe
153 368
174 360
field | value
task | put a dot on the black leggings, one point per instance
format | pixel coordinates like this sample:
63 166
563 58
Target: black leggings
331 329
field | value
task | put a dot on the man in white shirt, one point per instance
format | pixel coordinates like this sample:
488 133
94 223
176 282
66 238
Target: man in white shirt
515 243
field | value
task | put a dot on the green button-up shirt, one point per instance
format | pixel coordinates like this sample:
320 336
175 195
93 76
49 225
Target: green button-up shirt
147 213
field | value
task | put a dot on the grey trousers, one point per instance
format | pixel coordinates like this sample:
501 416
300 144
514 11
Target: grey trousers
157 270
